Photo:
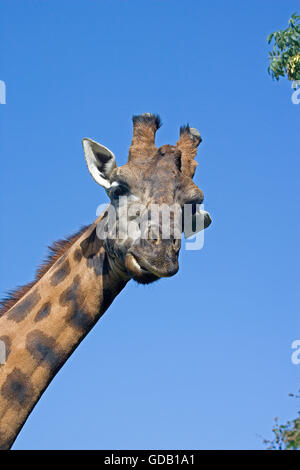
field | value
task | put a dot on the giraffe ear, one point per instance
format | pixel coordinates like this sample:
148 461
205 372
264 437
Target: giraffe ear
100 161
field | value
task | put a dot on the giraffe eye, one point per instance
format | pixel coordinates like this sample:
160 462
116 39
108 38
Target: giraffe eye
118 189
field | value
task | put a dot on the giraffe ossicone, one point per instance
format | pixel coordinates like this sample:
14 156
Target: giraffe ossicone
42 323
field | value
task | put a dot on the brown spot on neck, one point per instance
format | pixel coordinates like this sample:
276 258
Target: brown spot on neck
17 389
44 350
78 255
57 250
91 245
43 312
77 316
61 273
24 307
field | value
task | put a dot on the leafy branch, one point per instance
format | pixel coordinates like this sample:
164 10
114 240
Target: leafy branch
286 436
285 55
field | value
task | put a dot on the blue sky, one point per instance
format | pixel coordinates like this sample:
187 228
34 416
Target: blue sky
202 360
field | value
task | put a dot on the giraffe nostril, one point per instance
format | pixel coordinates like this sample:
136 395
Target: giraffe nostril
176 244
155 240
154 236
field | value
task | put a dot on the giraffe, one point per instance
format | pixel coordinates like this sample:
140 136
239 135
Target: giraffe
43 322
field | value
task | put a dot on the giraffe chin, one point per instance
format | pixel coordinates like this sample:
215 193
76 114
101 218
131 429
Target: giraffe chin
138 273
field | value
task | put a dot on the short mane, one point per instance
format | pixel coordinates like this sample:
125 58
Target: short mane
56 251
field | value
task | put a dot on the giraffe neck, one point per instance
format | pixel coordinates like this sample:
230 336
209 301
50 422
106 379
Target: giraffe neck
44 327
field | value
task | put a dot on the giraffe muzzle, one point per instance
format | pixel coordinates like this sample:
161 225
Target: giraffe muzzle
140 267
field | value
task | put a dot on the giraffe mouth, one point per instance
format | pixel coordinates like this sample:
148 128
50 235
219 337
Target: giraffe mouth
139 273
138 268
142 271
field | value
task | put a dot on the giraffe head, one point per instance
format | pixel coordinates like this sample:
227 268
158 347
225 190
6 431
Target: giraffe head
149 194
